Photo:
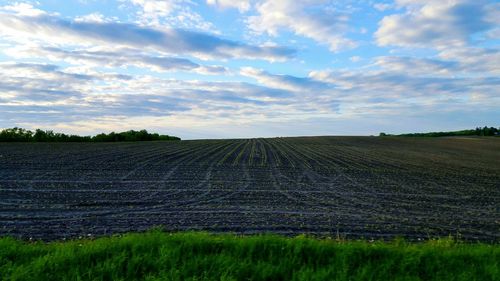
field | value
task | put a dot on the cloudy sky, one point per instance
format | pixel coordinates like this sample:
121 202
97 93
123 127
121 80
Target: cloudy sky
250 68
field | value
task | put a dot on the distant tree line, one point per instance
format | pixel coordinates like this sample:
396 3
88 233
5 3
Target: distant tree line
23 135
485 131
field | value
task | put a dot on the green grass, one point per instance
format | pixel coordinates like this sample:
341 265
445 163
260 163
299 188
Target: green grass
156 255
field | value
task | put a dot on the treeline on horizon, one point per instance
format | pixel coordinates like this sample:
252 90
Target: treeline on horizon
485 131
23 135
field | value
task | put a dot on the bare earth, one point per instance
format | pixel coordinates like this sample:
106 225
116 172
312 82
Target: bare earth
351 187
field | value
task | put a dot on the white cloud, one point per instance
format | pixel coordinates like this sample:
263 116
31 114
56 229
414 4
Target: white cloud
418 66
171 13
156 8
452 62
53 30
47 87
241 5
390 86
93 17
39 85
102 89
474 60
102 101
434 24
311 19
115 57
23 9
355 58
290 83
382 6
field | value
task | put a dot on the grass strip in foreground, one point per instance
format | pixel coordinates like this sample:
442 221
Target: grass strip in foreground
156 255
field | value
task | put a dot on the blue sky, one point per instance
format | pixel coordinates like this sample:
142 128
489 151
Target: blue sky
249 68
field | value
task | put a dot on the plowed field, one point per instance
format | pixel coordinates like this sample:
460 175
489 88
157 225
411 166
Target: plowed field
350 187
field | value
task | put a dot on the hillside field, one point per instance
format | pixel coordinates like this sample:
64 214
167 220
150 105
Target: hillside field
341 187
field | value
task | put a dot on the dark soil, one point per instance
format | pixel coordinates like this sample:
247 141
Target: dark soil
351 187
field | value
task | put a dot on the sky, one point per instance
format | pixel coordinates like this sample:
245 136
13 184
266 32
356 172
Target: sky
250 68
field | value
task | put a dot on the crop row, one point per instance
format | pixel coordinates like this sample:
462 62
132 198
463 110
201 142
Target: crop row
357 187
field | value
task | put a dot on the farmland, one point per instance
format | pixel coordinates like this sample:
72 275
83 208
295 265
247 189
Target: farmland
348 187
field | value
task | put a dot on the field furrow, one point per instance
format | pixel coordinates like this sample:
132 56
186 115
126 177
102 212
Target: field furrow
333 186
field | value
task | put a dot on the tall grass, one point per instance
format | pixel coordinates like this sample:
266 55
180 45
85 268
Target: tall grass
155 255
